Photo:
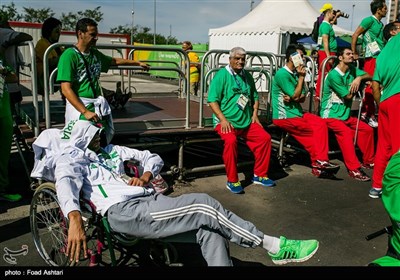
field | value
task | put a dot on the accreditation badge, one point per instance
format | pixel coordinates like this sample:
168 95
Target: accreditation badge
319 41
374 48
242 101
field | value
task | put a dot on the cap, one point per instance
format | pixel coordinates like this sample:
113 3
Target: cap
326 6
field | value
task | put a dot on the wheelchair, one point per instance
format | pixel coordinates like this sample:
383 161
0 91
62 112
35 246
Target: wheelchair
392 258
49 228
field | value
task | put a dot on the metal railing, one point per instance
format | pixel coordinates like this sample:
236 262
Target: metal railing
177 69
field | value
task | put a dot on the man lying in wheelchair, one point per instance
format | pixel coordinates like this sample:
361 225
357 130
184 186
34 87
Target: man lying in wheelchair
391 202
132 207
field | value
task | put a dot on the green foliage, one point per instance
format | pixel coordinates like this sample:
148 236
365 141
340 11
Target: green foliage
140 34
69 20
37 15
10 12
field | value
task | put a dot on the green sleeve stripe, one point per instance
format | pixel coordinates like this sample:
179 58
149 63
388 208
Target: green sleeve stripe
102 191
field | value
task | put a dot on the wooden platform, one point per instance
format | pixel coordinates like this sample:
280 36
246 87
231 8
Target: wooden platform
140 117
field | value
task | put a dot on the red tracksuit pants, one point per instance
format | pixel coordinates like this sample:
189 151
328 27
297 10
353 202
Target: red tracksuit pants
368 106
311 132
345 133
388 137
258 141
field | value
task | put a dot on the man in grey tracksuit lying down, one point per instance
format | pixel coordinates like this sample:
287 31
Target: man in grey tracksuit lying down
134 208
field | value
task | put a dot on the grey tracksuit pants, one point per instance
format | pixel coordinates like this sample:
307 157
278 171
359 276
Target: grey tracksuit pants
158 216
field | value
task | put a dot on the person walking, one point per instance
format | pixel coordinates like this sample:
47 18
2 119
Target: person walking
194 67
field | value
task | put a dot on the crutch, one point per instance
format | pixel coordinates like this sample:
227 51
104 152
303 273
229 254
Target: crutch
359 115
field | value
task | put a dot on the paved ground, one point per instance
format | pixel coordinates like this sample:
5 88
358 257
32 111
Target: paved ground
338 213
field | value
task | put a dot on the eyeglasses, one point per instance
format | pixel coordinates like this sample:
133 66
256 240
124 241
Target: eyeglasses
396 27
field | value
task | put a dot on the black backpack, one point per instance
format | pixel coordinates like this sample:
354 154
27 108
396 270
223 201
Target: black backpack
315 31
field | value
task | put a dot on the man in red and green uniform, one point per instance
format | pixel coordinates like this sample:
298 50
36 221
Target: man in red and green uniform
327 47
340 87
233 99
372 43
308 129
386 89
79 71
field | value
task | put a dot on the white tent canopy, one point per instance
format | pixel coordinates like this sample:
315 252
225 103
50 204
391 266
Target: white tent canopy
268 26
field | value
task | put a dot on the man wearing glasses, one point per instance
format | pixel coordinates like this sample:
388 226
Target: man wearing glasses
233 99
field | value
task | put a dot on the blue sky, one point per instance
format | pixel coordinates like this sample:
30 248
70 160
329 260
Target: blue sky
183 19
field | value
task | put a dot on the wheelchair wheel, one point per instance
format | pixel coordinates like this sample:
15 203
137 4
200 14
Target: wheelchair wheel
163 253
49 227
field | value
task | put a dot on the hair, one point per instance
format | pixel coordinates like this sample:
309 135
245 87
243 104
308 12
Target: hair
48 25
341 50
389 27
314 52
235 51
376 4
83 24
292 48
189 44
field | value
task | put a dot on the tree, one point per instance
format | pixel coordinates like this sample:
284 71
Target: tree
140 34
143 35
10 12
37 15
69 20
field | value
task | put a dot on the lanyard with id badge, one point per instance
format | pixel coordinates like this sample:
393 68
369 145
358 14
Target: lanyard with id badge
373 47
243 99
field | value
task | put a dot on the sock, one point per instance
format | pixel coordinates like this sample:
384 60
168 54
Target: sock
271 244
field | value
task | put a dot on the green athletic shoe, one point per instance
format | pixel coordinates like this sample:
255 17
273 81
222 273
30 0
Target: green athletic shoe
294 251
10 197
